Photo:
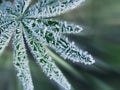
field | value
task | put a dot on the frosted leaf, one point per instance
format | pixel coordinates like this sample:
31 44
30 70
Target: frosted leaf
39 31
59 43
52 25
6 32
68 50
6 24
21 5
7 8
43 60
50 8
5 20
43 3
6 13
21 61
61 26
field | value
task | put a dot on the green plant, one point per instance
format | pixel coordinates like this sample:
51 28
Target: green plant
32 23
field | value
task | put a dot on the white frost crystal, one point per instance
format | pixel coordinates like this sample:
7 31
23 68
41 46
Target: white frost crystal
32 24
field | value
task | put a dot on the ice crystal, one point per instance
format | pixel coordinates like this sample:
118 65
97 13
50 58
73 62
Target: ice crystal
32 23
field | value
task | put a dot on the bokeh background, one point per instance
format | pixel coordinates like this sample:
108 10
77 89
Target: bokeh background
101 37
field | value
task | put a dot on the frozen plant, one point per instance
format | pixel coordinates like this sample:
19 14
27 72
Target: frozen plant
33 24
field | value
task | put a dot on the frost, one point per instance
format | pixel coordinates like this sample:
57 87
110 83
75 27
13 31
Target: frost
6 32
49 32
45 61
61 26
51 8
32 24
21 5
6 13
21 61
7 8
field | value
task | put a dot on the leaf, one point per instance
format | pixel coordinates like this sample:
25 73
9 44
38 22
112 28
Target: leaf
55 40
6 32
68 50
6 13
43 60
6 24
39 33
5 20
61 26
21 5
7 8
53 25
43 3
51 8
21 61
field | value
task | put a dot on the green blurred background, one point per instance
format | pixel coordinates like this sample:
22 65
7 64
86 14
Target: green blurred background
101 37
